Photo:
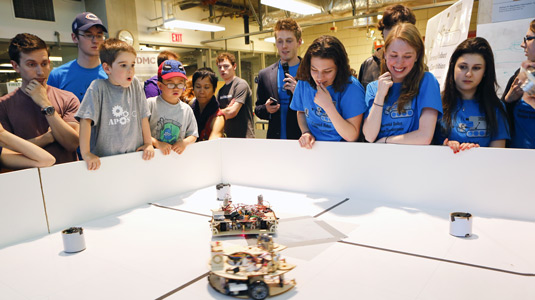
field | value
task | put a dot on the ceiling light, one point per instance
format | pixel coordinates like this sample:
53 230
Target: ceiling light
6 65
296 6
174 23
55 58
7 71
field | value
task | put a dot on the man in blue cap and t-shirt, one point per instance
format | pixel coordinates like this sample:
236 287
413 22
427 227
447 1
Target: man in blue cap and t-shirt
76 75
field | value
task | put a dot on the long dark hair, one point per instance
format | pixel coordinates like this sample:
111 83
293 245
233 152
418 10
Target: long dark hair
327 46
486 90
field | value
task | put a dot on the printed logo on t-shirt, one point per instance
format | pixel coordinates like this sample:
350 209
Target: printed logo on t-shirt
394 114
168 130
122 117
225 100
320 113
318 119
473 126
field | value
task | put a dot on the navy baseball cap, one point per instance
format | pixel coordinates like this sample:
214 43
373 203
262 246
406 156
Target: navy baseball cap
171 68
86 20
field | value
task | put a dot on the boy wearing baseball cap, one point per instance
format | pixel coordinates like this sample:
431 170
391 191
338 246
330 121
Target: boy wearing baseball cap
76 75
172 122
114 115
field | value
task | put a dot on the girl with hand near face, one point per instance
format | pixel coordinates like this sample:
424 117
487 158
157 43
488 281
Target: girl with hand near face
328 100
404 103
513 92
521 105
473 114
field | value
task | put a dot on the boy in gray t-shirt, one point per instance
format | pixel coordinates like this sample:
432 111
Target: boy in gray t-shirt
172 122
114 113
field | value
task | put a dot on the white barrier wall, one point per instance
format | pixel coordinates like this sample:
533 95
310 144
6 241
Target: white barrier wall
74 195
484 181
22 214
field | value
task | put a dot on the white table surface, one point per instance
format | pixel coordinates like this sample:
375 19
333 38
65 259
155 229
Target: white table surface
496 243
149 251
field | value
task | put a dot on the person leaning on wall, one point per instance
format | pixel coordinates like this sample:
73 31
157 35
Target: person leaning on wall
38 112
328 100
16 153
404 104
473 114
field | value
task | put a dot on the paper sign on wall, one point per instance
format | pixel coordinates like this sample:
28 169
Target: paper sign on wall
11 86
508 10
147 64
505 39
444 32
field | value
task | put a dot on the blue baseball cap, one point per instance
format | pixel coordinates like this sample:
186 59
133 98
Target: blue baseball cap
171 68
86 20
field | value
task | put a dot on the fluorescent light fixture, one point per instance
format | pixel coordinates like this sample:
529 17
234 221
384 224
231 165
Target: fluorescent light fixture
296 6
174 23
6 65
7 71
56 58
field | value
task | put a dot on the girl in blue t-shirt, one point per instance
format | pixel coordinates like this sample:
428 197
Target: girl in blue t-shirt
473 114
21 153
521 105
404 103
328 100
523 121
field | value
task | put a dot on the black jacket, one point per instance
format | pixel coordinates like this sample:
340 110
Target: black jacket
267 87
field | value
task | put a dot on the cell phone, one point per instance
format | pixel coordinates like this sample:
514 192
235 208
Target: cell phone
273 101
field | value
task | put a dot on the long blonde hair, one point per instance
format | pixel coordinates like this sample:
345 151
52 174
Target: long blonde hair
411 83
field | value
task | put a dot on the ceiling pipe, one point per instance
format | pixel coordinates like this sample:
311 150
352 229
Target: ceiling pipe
326 22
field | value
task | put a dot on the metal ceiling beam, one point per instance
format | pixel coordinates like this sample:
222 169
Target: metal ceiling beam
259 21
448 3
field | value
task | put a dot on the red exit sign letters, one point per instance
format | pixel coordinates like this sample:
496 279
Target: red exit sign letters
176 37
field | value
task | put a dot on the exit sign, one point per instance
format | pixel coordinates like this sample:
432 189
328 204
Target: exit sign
176 37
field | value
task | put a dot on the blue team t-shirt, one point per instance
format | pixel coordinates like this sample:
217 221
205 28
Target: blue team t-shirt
74 78
524 122
394 123
284 98
349 103
469 125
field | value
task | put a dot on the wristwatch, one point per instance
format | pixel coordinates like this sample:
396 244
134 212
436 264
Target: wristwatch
48 111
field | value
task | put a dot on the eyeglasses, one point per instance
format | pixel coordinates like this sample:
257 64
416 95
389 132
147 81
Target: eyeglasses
171 86
89 36
528 38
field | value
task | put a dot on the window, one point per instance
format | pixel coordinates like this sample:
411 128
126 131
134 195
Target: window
34 9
